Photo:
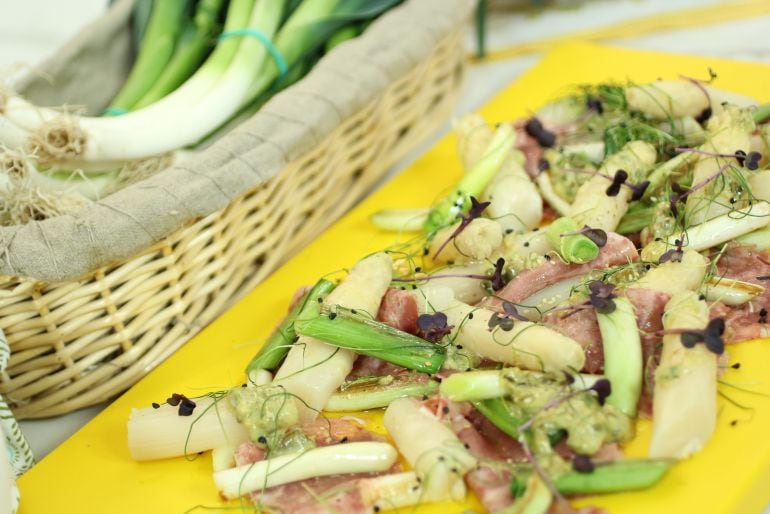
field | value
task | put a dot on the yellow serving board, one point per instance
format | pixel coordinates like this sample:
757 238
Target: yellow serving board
92 471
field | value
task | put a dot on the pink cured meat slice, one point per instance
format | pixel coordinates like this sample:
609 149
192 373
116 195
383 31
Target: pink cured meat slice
751 320
399 310
583 327
339 492
367 366
618 250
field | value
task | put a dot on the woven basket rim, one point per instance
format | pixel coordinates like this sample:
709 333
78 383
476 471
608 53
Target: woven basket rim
154 208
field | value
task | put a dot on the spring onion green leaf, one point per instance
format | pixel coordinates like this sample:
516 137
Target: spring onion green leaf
474 182
376 392
154 54
622 355
623 475
277 345
368 337
196 40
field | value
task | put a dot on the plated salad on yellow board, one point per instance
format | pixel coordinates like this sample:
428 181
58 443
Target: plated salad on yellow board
592 266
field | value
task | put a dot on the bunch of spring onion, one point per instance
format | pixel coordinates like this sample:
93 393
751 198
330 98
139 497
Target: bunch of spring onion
201 67
496 311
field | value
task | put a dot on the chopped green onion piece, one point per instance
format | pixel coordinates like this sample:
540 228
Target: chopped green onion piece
377 392
574 248
473 385
624 475
535 500
368 337
400 220
495 411
474 182
277 345
622 355
762 113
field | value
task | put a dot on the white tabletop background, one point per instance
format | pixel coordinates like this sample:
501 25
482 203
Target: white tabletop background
30 30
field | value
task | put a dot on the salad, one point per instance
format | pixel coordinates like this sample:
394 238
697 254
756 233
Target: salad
590 268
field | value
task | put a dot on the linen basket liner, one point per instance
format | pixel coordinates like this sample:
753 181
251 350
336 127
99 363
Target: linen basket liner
90 69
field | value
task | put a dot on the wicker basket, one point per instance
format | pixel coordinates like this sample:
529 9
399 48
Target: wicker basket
80 342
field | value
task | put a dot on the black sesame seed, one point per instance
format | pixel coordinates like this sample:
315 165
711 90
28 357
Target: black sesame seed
414 286
734 422
417 269
509 231
344 439
737 365
332 315
320 300
701 296
376 508
445 410
353 311
547 257
262 439
155 405
459 347
526 244
470 315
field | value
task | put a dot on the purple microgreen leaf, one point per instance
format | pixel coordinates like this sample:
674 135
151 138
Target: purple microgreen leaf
740 156
618 180
594 104
511 310
505 323
543 136
752 160
711 336
602 388
597 235
582 464
497 277
433 327
475 211
186 407
704 115
601 295
174 399
673 255
638 190
690 339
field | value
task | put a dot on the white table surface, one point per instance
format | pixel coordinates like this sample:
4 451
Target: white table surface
31 30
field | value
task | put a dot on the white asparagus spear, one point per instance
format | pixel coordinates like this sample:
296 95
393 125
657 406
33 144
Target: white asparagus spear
358 457
526 345
313 370
684 403
592 206
161 433
434 451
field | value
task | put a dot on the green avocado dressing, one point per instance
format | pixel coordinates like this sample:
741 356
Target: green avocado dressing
554 406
